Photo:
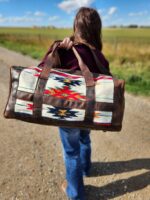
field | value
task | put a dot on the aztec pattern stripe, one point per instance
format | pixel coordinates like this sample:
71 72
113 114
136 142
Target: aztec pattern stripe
67 75
103 117
104 88
50 100
52 112
25 107
66 87
62 113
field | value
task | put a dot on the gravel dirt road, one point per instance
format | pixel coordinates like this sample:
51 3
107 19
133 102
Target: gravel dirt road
31 163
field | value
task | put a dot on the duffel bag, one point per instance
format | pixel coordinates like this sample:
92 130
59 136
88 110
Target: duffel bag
50 95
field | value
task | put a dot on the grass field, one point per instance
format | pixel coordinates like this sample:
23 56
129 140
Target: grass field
128 50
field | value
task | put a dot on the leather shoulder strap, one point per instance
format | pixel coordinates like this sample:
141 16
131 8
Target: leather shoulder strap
53 46
101 67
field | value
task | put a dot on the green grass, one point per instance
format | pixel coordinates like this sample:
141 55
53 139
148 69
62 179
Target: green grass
137 81
128 50
127 35
34 51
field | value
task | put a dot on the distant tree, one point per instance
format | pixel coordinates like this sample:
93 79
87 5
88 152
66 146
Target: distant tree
133 26
142 26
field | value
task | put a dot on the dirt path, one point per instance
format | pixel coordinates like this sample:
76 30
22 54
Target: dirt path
31 164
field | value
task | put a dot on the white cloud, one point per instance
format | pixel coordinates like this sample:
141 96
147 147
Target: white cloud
112 10
101 11
28 13
105 17
16 19
71 5
106 14
29 17
53 18
35 14
39 14
141 13
2 19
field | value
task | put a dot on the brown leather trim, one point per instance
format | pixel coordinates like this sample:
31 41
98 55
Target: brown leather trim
90 104
38 97
14 77
103 106
119 102
24 95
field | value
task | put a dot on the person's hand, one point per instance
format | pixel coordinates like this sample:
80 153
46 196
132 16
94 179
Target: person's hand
66 43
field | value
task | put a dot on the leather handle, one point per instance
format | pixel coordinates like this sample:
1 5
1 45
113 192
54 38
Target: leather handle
84 69
50 60
52 47
53 60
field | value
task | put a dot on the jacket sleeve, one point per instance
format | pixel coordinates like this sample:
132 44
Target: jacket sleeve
105 63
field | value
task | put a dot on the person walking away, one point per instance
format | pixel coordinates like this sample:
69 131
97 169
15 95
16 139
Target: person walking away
76 142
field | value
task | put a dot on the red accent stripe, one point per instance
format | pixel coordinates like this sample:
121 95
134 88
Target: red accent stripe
35 68
65 75
37 75
71 76
75 77
103 77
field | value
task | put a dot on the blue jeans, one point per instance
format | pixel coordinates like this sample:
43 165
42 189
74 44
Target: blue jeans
76 145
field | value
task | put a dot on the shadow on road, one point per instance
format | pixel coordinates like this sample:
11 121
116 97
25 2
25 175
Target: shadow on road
119 187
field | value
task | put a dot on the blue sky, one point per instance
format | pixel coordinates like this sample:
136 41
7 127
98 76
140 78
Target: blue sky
61 12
